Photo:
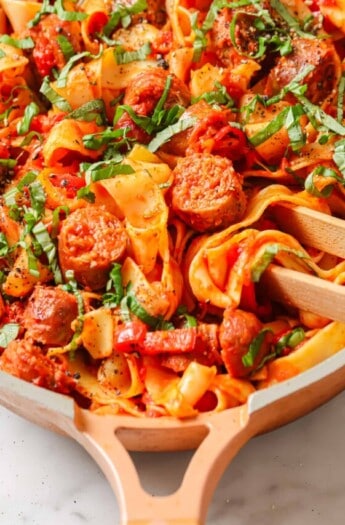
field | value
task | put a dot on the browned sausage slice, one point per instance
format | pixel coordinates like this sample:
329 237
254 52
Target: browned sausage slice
207 193
25 360
90 240
237 331
49 314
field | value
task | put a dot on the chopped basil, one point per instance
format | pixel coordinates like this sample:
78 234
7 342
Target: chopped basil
95 141
65 46
94 110
48 247
37 197
71 286
122 14
69 16
288 340
267 257
165 135
86 194
2 53
189 320
254 348
8 333
9 196
130 305
115 291
294 86
54 98
30 112
296 135
318 117
19 43
56 219
339 155
46 8
340 100
125 57
322 171
4 246
8 163
106 170
292 22
218 97
63 75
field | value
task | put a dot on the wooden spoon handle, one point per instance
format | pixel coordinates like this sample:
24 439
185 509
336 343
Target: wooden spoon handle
225 435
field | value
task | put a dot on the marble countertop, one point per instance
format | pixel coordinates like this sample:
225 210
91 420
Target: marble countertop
294 475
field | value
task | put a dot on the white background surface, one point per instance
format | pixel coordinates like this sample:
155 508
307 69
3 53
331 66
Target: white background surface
292 476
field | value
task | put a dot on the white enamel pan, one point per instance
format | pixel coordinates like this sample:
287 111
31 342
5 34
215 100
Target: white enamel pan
216 438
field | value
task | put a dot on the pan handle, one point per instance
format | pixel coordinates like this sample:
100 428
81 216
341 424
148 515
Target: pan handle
224 434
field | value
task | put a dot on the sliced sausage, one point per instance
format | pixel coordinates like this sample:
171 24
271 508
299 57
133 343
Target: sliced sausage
207 193
143 93
90 240
25 360
316 52
49 314
237 331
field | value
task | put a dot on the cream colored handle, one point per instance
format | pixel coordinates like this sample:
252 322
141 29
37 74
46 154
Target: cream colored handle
188 505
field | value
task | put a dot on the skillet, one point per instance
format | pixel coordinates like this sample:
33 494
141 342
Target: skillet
216 438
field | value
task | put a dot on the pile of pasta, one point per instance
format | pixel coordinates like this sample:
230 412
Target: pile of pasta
144 148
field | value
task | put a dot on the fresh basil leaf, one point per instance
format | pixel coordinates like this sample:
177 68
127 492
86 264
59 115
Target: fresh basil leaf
322 171
63 75
165 135
292 22
271 129
65 46
289 340
54 98
86 194
43 238
115 291
19 43
130 303
218 97
37 197
8 333
69 16
267 257
339 155
254 348
94 110
296 135
8 163
125 57
45 9
96 140
30 112
106 170
340 99
318 117
4 246
122 14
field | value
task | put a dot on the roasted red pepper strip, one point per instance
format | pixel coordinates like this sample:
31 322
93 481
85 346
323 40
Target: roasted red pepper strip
130 336
177 341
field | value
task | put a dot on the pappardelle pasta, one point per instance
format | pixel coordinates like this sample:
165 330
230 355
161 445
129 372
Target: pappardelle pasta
144 149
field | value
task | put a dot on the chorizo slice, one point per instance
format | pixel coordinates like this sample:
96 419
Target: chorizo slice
236 332
90 240
207 193
49 314
26 360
